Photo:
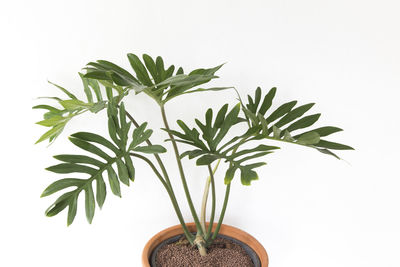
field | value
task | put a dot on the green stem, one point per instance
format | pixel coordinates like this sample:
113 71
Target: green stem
158 158
182 174
221 217
188 235
212 202
205 198
227 191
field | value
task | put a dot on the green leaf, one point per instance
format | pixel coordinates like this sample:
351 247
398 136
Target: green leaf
49 108
230 173
151 67
74 104
328 152
96 88
160 68
53 121
129 166
276 131
304 122
71 168
323 131
332 145
150 149
98 106
280 111
206 159
95 138
114 183
310 138
122 172
267 102
101 190
86 88
72 209
294 114
60 204
89 203
140 70
52 133
99 75
89 147
68 93
247 175
62 184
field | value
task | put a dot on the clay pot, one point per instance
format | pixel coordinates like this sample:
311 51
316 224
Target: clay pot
224 230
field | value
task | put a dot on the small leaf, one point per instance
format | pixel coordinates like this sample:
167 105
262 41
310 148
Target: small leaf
95 138
276 132
332 145
49 108
267 102
247 175
122 172
101 190
62 184
280 111
206 159
99 75
323 131
150 149
68 93
304 122
114 183
230 173
86 88
60 204
53 121
72 209
71 168
328 152
310 138
89 203
52 133
74 104
89 147
140 70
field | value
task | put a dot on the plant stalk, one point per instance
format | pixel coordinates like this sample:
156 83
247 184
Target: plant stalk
205 198
182 174
212 202
221 217
160 163
188 235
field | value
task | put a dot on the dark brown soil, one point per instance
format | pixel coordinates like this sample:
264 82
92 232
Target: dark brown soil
222 253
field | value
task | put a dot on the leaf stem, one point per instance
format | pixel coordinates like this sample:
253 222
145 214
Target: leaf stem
212 201
205 198
182 174
158 158
221 217
188 235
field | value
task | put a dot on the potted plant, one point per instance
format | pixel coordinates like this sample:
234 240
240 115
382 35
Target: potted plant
205 140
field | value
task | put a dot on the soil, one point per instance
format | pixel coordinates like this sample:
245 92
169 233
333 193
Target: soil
222 253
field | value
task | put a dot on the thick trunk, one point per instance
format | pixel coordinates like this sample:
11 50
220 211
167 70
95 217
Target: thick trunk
201 245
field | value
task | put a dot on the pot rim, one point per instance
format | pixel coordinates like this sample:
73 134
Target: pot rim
224 230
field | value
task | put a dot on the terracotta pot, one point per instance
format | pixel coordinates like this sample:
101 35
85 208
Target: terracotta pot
224 230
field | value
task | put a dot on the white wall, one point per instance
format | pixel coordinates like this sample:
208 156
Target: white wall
307 209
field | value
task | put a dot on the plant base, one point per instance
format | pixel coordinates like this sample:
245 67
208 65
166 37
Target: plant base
225 230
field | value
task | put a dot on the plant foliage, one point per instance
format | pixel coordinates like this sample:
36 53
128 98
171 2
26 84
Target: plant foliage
117 164
57 117
152 77
276 125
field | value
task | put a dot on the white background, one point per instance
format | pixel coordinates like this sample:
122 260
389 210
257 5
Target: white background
307 209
